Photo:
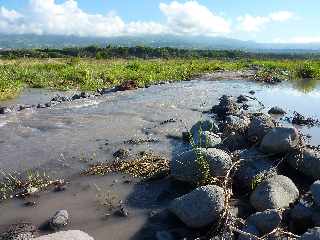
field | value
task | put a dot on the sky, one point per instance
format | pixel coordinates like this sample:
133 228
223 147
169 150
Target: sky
276 21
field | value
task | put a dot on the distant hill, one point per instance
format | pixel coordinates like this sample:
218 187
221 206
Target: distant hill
196 42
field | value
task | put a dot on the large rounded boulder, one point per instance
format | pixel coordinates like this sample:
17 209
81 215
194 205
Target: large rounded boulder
259 126
200 207
189 165
275 192
280 140
307 162
66 235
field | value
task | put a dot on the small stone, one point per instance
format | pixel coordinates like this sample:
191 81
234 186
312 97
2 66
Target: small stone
265 221
242 99
30 204
275 192
252 92
200 207
277 111
75 97
121 153
59 220
48 104
122 212
41 106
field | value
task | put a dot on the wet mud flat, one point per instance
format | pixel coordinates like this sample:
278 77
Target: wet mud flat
65 139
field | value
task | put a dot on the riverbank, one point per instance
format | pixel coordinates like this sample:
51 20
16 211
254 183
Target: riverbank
87 74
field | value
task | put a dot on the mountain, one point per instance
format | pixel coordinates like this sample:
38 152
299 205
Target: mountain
190 42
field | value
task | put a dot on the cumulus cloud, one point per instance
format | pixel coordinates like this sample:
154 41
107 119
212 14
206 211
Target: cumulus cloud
67 18
193 18
249 23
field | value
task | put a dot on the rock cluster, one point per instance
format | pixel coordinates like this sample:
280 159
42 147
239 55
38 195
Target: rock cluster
265 154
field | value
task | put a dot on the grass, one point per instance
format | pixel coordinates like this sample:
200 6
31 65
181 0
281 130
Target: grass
90 74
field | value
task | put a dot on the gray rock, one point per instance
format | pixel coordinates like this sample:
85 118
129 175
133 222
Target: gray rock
311 234
67 235
277 110
265 221
200 207
164 235
301 212
237 124
253 164
315 190
234 142
259 127
206 139
187 166
275 192
280 140
316 217
203 126
308 164
4 110
227 106
59 220
251 230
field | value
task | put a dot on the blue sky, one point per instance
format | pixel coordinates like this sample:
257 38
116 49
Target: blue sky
263 21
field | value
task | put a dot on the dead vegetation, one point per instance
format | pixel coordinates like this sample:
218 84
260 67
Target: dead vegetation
146 165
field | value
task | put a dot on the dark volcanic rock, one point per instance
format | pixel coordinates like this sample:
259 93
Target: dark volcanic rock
199 208
227 106
277 110
259 127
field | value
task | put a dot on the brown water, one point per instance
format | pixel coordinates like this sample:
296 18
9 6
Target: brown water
63 139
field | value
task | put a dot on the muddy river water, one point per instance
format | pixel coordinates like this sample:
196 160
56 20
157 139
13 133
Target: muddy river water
63 139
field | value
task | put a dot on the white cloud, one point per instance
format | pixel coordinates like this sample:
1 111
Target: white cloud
281 16
249 23
66 18
192 18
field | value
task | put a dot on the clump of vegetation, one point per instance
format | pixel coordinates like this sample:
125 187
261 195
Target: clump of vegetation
19 186
145 166
305 70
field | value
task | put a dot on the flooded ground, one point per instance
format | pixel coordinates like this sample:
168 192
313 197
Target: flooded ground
62 140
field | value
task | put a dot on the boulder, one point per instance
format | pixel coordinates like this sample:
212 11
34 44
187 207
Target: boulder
265 221
237 124
4 110
277 111
276 192
206 140
311 234
67 235
252 165
204 126
250 229
59 220
280 140
235 141
306 162
187 166
315 190
259 127
227 106
200 207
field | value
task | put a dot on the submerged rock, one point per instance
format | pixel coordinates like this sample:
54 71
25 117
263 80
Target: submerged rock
277 110
66 235
59 220
199 208
187 166
259 127
275 192
306 162
280 140
4 110
265 221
